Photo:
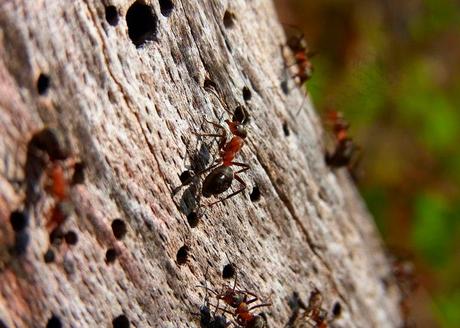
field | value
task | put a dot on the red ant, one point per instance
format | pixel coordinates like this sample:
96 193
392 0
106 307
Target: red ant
240 301
316 315
298 45
221 176
345 149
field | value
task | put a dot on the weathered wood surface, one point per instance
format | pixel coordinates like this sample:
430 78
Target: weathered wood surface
129 113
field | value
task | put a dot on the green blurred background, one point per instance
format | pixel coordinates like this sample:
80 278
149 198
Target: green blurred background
393 69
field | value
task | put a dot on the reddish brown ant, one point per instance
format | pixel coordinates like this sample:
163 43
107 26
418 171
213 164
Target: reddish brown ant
345 150
221 174
240 300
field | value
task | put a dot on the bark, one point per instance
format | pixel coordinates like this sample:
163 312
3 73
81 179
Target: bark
129 112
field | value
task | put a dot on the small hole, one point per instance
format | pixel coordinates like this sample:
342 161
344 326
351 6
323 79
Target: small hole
337 309
186 177
193 219
111 15
286 129
228 271
54 322
71 238
3 324
208 84
284 87
229 19
18 220
49 256
120 322
56 236
21 242
255 194
78 173
142 23
182 255
247 95
166 7
111 255
119 228
43 83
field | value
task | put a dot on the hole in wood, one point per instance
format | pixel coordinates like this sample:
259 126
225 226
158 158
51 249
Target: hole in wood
255 194
120 322
286 129
228 271
18 220
111 15
192 219
54 322
166 7
111 255
208 84
247 95
43 84
229 19
119 228
142 23
284 87
337 309
78 173
71 238
182 255
49 256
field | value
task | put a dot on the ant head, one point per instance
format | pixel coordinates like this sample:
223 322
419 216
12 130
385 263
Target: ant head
237 299
218 181
241 131
240 115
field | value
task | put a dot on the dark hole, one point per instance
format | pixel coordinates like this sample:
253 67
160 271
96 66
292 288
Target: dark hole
193 219
21 241
119 228
240 115
120 322
51 141
43 83
246 94
337 309
71 238
56 236
182 255
3 324
208 84
78 173
284 87
166 7
18 220
286 130
255 194
111 15
49 256
142 23
228 271
54 322
111 255
229 19
186 177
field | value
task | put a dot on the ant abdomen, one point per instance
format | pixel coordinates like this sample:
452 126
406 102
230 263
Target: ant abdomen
217 181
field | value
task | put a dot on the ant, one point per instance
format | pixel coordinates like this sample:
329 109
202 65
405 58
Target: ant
345 149
207 320
302 55
221 174
316 315
240 301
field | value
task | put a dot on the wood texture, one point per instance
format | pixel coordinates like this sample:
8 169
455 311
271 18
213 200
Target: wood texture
129 113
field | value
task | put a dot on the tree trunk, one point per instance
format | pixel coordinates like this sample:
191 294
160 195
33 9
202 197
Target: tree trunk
128 85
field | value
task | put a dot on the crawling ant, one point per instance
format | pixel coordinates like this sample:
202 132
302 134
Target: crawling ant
221 174
312 311
345 150
208 320
298 46
240 301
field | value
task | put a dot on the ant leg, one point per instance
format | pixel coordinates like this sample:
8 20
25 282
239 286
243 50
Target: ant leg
259 305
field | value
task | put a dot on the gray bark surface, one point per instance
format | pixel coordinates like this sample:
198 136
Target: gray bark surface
130 113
